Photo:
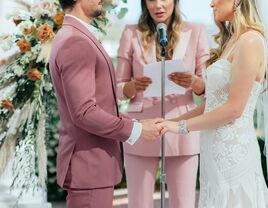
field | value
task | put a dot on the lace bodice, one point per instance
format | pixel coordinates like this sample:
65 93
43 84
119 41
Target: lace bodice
217 78
231 142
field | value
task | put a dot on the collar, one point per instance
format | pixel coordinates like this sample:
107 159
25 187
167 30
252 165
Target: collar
91 28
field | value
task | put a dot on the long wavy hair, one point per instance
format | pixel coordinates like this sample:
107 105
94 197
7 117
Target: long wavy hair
246 18
148 29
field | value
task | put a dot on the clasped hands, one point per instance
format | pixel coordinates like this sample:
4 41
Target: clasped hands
153 129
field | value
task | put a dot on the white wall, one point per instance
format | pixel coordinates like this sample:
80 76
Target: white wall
8 7
192 10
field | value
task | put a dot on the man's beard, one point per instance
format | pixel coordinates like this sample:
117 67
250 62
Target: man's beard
98 13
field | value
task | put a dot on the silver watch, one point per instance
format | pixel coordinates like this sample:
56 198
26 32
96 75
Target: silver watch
183 127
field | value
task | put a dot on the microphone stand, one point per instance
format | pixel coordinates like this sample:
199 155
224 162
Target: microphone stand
163 109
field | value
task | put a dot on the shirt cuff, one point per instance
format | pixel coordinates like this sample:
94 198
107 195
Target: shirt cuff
135 134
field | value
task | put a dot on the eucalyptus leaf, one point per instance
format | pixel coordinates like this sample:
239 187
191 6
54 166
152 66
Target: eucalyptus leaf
122 13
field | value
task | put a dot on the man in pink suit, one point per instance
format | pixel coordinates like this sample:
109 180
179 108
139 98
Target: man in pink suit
89 160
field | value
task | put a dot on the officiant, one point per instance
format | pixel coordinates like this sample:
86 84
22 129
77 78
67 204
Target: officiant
138 47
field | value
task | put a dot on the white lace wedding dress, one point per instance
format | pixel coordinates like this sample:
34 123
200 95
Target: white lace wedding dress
230 162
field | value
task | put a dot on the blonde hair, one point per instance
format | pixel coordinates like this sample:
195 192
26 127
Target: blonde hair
148 29
245 17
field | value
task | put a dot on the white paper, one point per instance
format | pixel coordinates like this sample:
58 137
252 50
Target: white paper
154 72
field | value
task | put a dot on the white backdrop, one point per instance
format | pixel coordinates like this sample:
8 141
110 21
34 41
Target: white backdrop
192 10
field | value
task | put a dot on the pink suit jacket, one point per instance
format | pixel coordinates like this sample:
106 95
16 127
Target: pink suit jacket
193 49
91 131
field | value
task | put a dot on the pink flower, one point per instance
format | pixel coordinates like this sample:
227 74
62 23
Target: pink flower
44 7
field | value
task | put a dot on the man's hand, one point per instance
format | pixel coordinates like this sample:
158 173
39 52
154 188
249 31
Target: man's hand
151 129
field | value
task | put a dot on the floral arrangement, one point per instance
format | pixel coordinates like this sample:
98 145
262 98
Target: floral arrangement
26 91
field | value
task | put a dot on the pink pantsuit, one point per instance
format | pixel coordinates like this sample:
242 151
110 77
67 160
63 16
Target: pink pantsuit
141 160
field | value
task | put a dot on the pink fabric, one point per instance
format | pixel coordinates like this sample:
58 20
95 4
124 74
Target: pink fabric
90 128
94 198
193 49
181 176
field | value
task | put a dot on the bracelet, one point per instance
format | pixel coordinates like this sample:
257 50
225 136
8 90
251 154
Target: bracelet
200 94
183 127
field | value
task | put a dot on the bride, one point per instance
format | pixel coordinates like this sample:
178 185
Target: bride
230 164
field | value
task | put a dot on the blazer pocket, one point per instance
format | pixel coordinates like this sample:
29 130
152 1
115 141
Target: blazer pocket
135 107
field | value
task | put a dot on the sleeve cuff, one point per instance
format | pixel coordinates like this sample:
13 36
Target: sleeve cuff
135 134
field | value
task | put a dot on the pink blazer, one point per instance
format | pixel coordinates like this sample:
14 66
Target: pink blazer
91 131
193 49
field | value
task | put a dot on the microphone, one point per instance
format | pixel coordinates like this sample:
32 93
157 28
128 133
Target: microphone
161 29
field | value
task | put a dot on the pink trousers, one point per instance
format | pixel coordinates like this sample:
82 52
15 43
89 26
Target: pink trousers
181 180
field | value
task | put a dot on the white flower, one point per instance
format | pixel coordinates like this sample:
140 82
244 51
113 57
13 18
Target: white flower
18 70
25 25
9 92
36 11
36 50
48 87
115 2
26 58
7 43
44 54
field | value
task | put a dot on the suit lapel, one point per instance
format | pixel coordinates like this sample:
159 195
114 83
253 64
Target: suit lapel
76 24
179 50
150 55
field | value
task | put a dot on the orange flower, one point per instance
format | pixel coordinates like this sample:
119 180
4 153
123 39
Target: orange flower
5 103
28 31
24 45
3 62
58 18
45 32
34 74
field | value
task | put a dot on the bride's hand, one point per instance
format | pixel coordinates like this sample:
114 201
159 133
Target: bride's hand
169 126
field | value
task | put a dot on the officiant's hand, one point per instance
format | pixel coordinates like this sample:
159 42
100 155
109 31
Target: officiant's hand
188 80
141 83
138 84
183 79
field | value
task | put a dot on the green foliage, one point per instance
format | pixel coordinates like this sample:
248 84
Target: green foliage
263 160
122 13
54 191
